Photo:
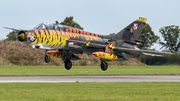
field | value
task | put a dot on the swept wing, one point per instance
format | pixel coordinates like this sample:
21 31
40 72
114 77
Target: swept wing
135 51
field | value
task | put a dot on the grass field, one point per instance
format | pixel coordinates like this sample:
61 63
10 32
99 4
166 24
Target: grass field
144 91
89 70
119 91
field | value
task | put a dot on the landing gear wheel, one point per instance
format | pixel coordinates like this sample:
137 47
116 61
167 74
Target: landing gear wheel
68 64
104 66
47 58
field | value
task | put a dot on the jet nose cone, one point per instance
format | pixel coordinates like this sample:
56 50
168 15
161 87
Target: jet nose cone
95 54
22 36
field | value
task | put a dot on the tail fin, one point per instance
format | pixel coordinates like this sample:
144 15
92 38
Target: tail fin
131 32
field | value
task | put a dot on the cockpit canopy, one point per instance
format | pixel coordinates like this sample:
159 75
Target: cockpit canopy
49 26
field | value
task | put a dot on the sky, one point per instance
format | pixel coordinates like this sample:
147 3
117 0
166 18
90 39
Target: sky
97 16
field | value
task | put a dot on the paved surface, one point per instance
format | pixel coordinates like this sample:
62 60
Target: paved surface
55 79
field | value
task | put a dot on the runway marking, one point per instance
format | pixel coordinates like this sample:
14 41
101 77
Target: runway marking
30 81
57 79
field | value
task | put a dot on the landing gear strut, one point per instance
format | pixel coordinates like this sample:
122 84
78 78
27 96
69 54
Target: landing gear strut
104 65
47 58
66 58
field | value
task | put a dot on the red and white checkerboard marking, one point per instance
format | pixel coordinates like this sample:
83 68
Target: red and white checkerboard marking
135 26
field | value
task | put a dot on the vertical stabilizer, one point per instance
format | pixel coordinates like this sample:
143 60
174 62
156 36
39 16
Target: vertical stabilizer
131 32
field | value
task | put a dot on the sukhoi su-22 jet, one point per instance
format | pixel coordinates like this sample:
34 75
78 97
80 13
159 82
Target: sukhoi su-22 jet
64 42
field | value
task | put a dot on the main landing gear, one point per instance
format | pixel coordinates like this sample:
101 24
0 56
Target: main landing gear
104 65
68 64
66 58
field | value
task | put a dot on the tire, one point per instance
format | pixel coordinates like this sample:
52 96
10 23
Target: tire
68 64
104 66
47 58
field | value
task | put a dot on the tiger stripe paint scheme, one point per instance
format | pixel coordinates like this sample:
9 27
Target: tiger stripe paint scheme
106 56
55 54
56 38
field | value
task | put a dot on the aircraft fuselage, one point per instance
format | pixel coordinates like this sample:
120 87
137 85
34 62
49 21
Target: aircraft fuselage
55 39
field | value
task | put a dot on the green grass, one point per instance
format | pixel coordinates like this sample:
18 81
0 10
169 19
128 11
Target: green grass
143 91
89 70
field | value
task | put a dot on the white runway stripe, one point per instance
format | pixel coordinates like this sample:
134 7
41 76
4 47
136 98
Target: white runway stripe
124 78
31 81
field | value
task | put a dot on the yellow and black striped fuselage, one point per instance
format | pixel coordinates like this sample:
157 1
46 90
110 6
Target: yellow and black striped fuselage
57 38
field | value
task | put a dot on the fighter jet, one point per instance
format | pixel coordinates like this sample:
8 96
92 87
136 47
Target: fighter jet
65 42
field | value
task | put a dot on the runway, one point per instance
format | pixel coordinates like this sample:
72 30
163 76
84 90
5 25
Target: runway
56 79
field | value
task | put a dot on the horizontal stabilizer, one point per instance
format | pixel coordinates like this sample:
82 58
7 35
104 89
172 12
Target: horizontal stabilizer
142 52
139 52
152 54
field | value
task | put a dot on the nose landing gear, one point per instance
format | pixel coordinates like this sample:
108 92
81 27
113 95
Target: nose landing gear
47 58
